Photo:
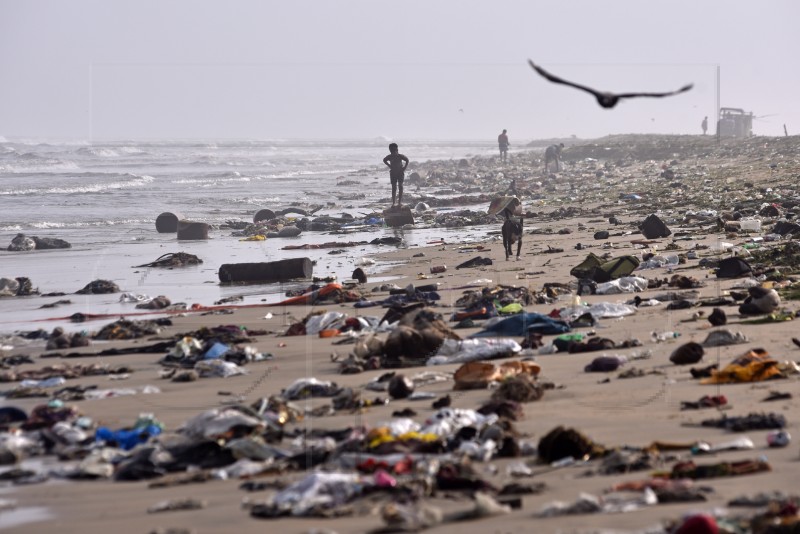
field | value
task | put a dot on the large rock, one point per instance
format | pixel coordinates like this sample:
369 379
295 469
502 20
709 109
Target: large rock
263 215
398 216
44 243
21 242
286 231
98 287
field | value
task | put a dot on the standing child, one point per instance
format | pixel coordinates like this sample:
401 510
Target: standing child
397 164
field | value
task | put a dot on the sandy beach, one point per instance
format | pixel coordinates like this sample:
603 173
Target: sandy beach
682 179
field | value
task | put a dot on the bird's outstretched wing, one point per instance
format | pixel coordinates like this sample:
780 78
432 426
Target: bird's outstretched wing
556 79
657 95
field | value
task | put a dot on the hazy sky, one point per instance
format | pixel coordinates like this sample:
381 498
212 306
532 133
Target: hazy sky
110 69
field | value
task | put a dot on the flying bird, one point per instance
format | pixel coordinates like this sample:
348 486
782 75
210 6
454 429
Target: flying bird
606 100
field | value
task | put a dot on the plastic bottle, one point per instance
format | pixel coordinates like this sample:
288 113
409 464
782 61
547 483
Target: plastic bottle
750 225
663 336
563 462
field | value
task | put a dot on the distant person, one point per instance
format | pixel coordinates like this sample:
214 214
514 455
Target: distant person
704 125
397 164
553 153
502 141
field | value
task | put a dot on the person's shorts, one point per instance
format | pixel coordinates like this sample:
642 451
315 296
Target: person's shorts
503 148
397 177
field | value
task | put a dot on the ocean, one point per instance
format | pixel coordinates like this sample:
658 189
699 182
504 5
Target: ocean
103 198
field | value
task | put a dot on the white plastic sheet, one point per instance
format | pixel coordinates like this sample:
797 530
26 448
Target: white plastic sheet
469 350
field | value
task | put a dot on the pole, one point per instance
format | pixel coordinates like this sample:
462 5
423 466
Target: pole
718 117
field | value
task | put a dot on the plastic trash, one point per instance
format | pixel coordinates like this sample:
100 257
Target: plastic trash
186 347
318 490
127 439
750 225
326 321
658 337
219 368
46 383
468 350
778 438
216 351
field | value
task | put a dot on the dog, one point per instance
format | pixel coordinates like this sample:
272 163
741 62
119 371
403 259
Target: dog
553 154
512 233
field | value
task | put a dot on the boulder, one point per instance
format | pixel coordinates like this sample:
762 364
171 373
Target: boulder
44 243
98 287
21 242
263 215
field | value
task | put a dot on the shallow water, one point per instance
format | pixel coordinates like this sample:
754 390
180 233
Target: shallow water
104 199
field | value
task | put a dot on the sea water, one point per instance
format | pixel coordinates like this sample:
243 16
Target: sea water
103 198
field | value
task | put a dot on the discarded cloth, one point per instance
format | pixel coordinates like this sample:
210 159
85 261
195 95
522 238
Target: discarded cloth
520 325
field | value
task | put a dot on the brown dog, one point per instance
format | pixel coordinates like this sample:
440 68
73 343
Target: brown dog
512 233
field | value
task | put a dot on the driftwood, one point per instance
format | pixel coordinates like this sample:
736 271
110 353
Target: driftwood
173 259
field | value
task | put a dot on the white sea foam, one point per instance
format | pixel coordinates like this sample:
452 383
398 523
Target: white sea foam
102 152
135 180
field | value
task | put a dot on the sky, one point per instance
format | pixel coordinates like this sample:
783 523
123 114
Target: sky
430 69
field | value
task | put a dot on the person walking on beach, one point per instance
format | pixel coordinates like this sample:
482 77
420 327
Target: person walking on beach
397 164
502 141
704 125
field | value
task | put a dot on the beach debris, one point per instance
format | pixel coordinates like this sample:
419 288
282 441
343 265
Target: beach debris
16 287
760 301
689 469
418 335
304 388
717 317
706 401
192 230
60 340
605 364
167 222
567 443
177 505
173 259
752 421
21 242
518 388
687 354
479 374
601 270
99 287
145 427
778 438
127 329
733 268
272 271
755 365
468 350
654 228
520 325
722 337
